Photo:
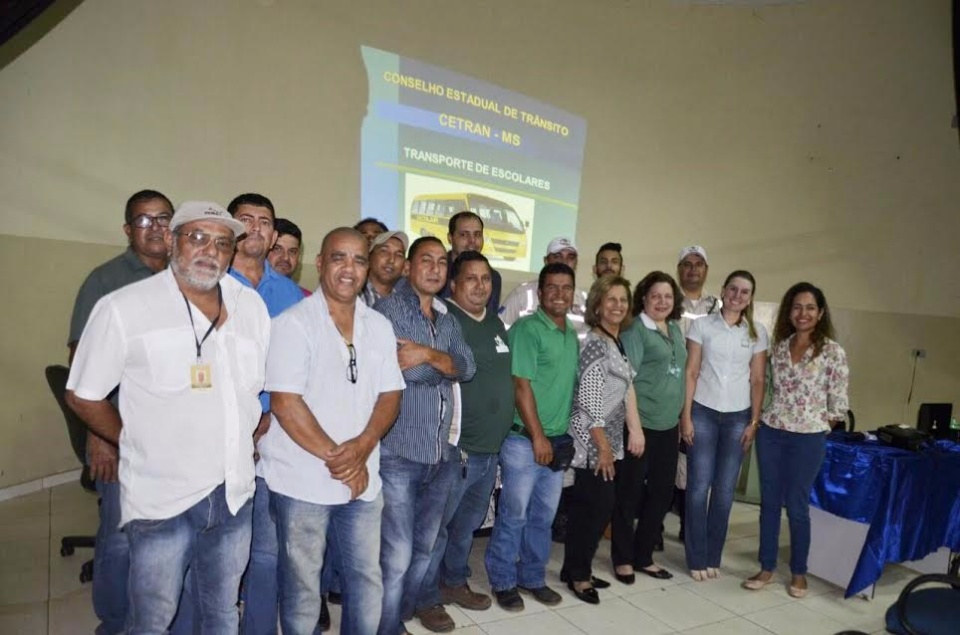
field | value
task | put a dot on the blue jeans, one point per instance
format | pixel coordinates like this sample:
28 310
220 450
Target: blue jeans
414 498
713 465
466 508
519 547
111 562
302 530
330 574
207 538
789 463
260 581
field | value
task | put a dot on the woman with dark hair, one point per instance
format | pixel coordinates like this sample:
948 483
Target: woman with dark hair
604 409
810 378
654 345
726 363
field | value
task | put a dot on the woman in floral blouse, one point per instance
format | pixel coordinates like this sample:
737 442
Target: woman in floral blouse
603 402
809 392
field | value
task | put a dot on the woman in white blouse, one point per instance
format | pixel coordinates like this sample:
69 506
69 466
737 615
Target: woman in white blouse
726 361
810 378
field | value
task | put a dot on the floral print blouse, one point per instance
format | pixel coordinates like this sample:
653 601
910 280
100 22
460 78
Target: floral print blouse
808 395
605 376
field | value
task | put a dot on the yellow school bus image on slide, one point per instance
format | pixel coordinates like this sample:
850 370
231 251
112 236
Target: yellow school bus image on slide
505 234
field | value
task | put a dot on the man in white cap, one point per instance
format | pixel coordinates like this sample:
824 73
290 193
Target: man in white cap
388 254
524 301
188 350
692 269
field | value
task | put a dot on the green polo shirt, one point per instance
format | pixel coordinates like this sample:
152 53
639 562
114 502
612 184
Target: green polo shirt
488 398
660 392
548 358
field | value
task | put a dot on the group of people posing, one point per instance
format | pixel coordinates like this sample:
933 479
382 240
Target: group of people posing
258 446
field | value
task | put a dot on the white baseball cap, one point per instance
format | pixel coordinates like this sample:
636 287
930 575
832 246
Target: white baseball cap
385 236
560 243
693 249
191 211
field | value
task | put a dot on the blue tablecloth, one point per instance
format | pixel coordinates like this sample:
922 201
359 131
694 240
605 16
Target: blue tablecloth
911 500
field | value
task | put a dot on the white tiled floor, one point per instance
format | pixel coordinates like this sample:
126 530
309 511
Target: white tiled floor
40 592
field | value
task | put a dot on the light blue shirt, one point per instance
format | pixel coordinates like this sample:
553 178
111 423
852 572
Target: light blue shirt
279 293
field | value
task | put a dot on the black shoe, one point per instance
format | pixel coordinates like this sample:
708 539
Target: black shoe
598 583
662 574
509 600
625 578
588 595
324 621
335 598
543 595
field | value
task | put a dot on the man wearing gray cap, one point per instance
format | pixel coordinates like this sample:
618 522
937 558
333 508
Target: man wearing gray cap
388 253
188 349
692 269
524 301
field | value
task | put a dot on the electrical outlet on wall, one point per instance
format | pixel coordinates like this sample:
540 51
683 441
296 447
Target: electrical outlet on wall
919 353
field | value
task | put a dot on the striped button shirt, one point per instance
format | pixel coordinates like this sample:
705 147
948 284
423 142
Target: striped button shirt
423 426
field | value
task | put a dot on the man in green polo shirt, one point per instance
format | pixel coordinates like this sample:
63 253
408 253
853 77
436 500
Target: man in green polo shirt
545 352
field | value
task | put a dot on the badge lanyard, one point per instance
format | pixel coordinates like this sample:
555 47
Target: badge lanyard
616 340
200 375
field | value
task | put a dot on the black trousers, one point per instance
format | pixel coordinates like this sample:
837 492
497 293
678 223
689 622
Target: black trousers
644 490
589 506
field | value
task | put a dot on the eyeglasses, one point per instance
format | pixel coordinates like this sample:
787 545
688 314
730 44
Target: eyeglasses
352 366
200 239
145 221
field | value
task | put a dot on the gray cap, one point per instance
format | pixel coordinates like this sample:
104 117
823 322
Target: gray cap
385 236
191 211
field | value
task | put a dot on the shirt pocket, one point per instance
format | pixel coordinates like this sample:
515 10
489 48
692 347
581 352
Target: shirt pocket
171 353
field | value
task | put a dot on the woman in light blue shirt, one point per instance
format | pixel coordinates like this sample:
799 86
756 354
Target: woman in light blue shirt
726 361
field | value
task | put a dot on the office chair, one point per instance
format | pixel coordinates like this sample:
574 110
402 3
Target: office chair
57 380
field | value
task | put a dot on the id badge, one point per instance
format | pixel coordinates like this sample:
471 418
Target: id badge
201 377
674 370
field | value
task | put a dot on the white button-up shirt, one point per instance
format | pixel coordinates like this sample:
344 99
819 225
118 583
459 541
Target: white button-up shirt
177 444
308 357
724 381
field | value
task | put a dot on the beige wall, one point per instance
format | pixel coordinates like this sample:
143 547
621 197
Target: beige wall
808 140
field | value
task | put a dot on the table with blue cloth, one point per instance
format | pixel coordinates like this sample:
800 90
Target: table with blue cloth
910 500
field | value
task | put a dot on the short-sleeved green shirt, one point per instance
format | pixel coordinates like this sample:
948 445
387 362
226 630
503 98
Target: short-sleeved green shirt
660 381
548 358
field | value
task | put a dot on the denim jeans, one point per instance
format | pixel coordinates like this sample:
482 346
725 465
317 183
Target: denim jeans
111 562
302 530
414 499
519 547
205 537
713 465
466 508
788 463
330 574
260 580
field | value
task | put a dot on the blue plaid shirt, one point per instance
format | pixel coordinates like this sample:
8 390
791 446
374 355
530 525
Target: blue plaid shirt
421 431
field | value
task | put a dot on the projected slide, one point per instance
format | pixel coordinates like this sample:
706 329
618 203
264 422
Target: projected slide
435 142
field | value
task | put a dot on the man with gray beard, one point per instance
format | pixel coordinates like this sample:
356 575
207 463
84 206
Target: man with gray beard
188 350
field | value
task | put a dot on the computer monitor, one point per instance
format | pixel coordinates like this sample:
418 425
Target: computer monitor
934 419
